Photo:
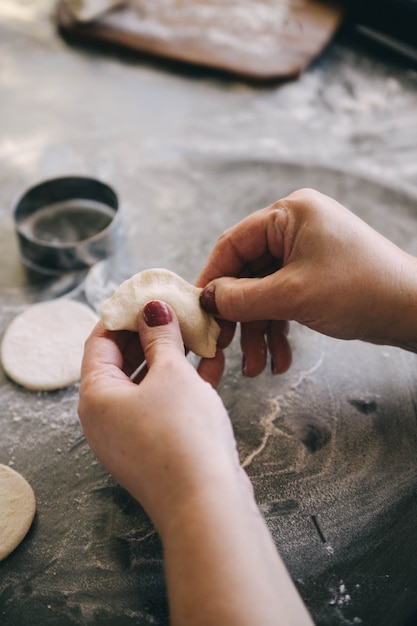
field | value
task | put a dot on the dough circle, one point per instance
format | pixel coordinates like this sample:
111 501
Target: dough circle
17 509
42 348
199 330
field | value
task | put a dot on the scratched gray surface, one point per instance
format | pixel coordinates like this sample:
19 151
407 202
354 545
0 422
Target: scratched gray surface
331 445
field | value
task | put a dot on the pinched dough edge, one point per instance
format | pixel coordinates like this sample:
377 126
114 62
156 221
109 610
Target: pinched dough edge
199 329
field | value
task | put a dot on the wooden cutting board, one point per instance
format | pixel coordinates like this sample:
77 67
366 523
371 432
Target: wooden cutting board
256 39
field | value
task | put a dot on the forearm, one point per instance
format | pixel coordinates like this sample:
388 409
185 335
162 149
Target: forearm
222 566
398 314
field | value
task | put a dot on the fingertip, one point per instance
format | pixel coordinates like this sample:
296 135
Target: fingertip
254 348
281 359
227 331
227 327
159 331
157 313
208 299
253 365
211 370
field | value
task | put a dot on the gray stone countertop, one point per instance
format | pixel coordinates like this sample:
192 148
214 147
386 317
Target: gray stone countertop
331 445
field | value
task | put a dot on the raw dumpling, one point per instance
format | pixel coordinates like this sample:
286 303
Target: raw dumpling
199 329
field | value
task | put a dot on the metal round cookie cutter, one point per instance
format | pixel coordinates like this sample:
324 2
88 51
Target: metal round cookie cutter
67 223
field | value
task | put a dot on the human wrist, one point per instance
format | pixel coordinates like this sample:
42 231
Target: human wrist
203 496
402 326
221 563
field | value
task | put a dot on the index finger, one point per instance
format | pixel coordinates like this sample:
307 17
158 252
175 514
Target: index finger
249 248
111 354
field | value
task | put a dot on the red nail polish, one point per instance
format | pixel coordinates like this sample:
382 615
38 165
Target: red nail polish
156 313
208 300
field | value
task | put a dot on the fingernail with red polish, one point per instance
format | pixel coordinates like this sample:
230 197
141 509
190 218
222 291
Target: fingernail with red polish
156 313
208 300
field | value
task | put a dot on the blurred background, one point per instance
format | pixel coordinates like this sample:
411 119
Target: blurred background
196 114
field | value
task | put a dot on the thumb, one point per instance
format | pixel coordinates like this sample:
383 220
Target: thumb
159 332
247 299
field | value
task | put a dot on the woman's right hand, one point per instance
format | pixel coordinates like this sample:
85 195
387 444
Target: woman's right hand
309 259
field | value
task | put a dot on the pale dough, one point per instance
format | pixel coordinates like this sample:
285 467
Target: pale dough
17 509
199 329
42 347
